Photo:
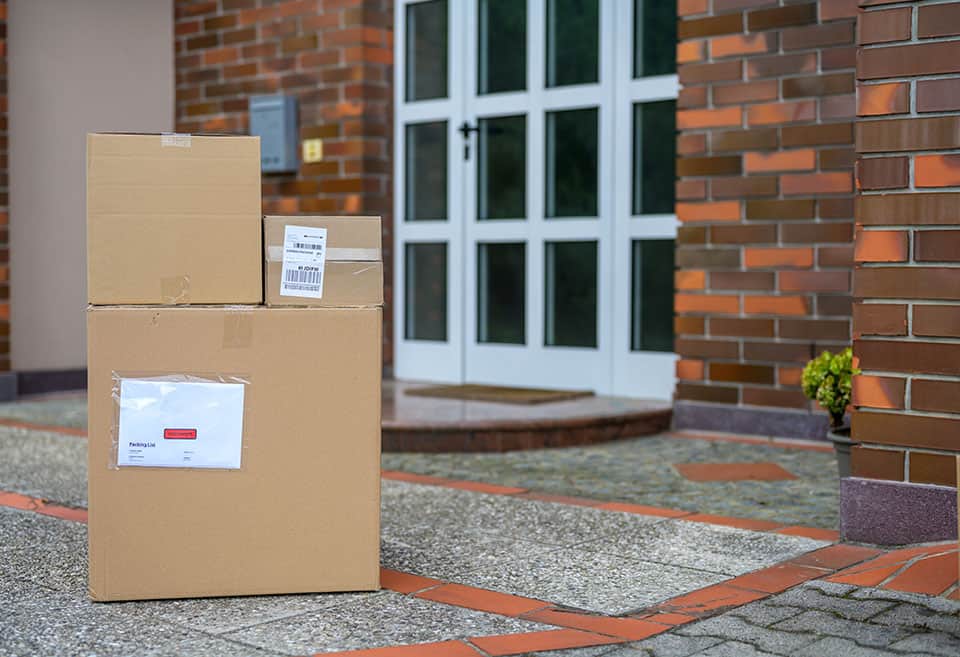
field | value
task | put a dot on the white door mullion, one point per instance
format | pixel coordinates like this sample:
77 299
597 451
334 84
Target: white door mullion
429 359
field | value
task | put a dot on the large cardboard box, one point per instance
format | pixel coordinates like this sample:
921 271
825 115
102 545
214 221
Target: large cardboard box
300 514
340 265
173 219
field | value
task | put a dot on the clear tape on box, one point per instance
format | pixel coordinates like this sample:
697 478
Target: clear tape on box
185 421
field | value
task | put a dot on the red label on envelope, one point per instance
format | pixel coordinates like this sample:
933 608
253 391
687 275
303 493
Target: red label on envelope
180 434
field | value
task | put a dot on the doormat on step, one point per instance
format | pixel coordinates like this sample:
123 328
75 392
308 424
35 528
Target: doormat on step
501 394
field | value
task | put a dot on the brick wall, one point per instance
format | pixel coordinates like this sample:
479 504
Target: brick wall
336 57
765 197
907 280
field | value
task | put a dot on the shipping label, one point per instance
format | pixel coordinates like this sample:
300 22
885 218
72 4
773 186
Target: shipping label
304 252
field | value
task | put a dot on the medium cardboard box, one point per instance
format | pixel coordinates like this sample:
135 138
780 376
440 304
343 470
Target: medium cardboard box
301 514
173 219
350 265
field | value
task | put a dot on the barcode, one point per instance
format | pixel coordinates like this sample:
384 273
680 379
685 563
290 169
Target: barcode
304 245
312 278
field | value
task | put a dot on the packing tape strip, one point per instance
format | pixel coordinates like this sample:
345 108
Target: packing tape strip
175 290
237 329
176 139
275 254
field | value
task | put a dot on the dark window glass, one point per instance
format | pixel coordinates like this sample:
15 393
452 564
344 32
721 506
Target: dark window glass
652 295
501 293
426 50
570 312
654 37
502 168
571 166
573 42
654 157
425 173
425 291
502 43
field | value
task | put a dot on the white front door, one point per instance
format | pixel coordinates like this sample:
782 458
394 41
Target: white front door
534 194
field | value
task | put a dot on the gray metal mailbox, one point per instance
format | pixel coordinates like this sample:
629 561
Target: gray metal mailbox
274 119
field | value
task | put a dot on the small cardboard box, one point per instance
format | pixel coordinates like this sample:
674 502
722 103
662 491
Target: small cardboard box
300 514
173 219
343 269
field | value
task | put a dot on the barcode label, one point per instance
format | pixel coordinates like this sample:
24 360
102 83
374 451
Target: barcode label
304 252
311 277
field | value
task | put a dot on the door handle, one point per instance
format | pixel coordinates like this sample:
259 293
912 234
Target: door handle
465 129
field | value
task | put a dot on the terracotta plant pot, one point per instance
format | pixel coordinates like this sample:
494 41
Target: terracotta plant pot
841 447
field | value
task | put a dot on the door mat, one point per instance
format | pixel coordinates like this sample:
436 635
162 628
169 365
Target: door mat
500 394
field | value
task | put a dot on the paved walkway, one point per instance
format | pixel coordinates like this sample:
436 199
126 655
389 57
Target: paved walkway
492 569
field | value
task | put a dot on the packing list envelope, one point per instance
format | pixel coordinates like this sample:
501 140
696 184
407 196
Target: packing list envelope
172 424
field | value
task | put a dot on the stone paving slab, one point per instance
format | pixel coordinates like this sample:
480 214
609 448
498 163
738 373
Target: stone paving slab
66 411
724 550
437 508
463 552
596 582
44 464
39 621
383 619
662 558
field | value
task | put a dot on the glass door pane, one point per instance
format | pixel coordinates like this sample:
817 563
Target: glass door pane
425 176
502 168
425 291
501 293
571 163
570 285
426 50
654 157
573 42
654 37
651 326
502 46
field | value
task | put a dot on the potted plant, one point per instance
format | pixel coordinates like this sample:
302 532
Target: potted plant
828 379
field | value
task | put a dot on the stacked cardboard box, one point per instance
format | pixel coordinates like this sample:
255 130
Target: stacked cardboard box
234 447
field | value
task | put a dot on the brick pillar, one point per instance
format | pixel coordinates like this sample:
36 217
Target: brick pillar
907 281
337 59
765 197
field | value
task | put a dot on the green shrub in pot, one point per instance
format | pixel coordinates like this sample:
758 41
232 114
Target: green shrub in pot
828 379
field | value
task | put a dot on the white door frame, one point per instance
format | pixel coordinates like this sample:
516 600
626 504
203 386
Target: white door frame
422 359
611 368
648 374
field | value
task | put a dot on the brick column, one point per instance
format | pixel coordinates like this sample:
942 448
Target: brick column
337 59
765 197
907 280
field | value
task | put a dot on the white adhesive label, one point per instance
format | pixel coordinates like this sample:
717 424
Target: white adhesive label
304 252
180 425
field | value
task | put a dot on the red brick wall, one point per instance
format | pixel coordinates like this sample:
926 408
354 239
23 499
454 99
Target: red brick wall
765 195
907 281
4 201
336 56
